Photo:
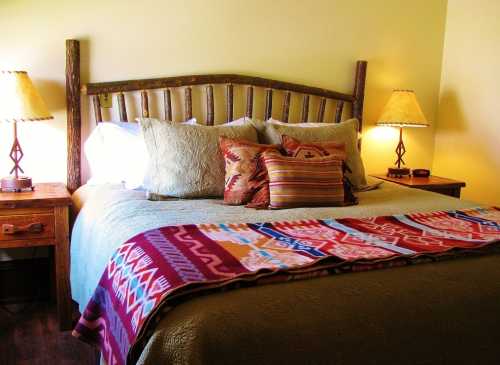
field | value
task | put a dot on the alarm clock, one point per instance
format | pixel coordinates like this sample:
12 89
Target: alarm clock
420 173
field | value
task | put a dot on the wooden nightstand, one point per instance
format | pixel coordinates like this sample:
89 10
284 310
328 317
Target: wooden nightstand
41 218
436 184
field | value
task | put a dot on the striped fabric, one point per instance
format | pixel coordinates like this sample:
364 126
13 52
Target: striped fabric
301 182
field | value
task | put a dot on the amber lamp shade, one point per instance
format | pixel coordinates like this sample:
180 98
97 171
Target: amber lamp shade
19 102
402 110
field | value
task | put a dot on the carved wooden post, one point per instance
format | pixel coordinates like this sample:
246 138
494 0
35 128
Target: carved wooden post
286 107
122 108
305 109
167 105
229 103
249 109
144 104
359 92
338 111
210 105
188 106
321 110
269 104
74 178
97 108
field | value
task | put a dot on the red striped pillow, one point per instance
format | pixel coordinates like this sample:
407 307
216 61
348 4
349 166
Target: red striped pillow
300 182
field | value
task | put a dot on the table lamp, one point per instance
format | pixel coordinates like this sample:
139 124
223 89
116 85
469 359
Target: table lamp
19 102
402 110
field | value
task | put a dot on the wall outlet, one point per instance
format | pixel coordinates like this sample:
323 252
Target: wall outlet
105 100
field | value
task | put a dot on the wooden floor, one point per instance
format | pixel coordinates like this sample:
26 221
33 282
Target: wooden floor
33 338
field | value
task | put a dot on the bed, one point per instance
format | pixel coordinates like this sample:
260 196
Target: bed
437 313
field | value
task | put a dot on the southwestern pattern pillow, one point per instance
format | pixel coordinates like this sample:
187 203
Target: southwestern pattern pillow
294 148
345 132
243 175
304 182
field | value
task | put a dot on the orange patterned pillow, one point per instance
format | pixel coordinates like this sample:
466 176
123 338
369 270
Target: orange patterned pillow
295 148
243 176
304 182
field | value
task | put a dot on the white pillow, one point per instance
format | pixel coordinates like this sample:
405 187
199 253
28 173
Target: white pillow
117 154
307 125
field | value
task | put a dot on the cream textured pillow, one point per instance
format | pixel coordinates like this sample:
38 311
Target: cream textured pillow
345 132
185 159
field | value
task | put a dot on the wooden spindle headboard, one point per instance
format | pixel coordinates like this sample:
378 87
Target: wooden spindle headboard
74 91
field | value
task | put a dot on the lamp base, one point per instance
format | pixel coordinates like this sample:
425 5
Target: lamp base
17 185
398 172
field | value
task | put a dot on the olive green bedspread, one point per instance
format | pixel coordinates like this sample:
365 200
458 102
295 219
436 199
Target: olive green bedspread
440 313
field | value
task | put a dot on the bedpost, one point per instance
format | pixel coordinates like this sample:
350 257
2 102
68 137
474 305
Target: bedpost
73 113
359 92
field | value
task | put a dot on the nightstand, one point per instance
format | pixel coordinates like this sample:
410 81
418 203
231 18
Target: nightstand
436 184
41 218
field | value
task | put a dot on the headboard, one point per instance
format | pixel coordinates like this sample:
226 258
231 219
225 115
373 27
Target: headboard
74 91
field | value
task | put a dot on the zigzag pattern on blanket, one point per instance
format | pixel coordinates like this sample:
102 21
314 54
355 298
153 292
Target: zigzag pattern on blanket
148 273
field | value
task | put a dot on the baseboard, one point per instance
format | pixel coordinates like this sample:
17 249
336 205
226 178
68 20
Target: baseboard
25 280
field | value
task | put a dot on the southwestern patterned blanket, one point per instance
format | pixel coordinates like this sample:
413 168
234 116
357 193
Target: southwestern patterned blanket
156 270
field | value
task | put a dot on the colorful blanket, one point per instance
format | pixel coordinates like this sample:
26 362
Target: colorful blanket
157 269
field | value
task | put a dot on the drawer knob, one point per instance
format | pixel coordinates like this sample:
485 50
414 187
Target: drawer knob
8 229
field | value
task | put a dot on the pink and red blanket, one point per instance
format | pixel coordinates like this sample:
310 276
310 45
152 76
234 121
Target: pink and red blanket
154 270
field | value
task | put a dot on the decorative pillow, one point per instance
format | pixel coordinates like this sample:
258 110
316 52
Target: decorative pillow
117 154
242 161
303 182
345 132
186 161
294 148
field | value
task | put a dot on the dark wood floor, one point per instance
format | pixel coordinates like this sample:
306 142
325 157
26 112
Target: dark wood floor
32 337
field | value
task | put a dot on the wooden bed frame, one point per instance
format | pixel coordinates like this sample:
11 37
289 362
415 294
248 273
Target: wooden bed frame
74 90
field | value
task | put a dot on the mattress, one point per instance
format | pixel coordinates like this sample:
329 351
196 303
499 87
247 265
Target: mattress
264 324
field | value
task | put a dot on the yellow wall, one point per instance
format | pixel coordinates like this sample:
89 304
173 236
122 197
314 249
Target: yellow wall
312 42
468 135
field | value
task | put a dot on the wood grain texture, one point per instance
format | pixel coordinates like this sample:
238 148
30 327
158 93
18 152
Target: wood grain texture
321 111
188 104
33 338
73 112
304 116
191 80
359 92
144 104
44 195
338 111
435 184
122 107
64 304
229 103
210 104
249 107
268 110
167 105
97 108
19 220
49 205
286 107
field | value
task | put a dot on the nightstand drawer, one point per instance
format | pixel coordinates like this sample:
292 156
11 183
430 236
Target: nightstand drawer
28 226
